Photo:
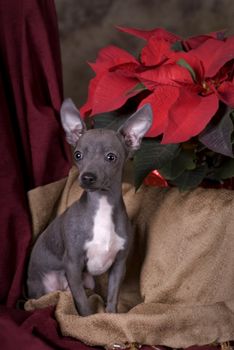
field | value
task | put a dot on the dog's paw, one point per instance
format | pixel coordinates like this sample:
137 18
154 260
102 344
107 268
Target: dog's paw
84 309
85 312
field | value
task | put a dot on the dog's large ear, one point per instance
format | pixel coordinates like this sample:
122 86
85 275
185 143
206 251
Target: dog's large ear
136 126
72 123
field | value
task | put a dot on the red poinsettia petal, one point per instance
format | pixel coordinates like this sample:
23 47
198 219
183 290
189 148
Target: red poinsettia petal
155 179
86 109
155 52
195 41
226 93
189 116
214 54
127 69
192 60
146 34
111 56
112 92
167 74
161 101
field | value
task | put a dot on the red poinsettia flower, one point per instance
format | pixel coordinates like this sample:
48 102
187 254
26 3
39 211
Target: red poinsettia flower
113 85
185 88
115 81
154 178
158 47
183 105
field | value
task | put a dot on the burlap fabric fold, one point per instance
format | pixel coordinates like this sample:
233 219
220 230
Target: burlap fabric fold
179 287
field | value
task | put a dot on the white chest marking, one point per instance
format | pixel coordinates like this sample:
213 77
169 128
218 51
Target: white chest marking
105 244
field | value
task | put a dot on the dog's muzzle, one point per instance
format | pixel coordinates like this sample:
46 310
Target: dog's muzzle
88 180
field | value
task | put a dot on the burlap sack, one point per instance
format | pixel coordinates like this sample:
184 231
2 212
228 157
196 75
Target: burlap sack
179 287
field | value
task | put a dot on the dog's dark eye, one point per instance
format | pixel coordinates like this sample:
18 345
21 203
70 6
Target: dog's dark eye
110 157
78 155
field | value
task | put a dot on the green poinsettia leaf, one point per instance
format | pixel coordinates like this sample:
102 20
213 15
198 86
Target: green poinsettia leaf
219 138
190 179
185 160
232 115
103 120
183 63
225 171
177 46
109 121
152 155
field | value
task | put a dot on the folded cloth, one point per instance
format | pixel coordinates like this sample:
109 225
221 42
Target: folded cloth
178 289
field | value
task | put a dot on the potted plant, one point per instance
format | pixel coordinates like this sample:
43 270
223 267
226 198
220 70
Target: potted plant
190 86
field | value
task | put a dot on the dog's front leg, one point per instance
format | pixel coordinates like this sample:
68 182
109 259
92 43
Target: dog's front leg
74 268
116 275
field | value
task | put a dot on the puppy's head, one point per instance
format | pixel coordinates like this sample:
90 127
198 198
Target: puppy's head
100 153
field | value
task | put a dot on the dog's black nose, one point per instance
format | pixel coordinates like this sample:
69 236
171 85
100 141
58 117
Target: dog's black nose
88 179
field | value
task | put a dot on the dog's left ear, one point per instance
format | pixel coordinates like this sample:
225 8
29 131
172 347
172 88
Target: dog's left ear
136 126
72 122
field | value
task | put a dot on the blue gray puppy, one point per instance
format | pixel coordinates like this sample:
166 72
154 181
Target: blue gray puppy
94 235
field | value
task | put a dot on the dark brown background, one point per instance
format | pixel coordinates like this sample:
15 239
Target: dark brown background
87 25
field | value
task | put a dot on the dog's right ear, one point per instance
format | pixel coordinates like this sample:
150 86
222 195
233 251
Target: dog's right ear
72 123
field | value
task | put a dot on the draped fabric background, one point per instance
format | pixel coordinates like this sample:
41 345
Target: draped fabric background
32 153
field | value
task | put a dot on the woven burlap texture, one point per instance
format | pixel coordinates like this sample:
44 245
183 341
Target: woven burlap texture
179 286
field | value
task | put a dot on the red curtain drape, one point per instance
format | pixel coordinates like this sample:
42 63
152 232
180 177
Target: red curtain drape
32 149
32 153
